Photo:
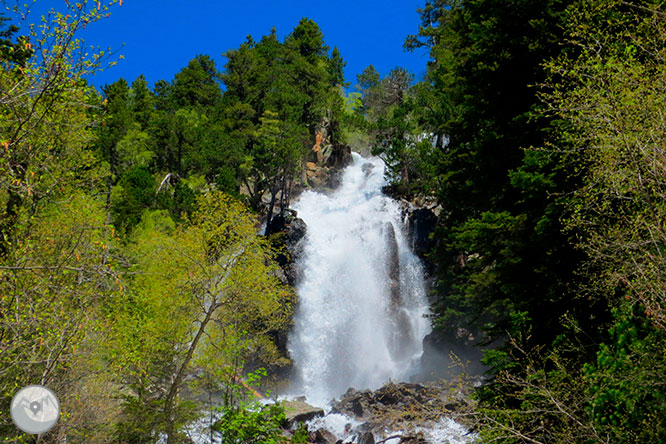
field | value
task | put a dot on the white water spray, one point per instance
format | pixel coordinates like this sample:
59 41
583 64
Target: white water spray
360 319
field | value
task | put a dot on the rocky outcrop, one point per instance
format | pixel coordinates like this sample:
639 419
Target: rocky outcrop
286 231
448 356
287 222
317 176
399 411
421 224
401 406
328 159
393 266
341 156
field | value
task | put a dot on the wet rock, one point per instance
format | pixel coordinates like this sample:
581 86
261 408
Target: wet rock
413 439
299 411
366 438
393 265
447 356
341 156
323 436
334 180
280 222
400 406
401 411
421 225
357 408
286 231
296 231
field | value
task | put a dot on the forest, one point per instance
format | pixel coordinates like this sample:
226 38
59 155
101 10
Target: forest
136 280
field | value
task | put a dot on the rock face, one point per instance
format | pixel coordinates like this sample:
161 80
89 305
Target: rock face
317 176
287 230
443 356
393 265
285 233
340 157
421 224
328 159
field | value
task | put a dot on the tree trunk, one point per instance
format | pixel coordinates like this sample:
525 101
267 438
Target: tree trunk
178 380
404 173
269 216
283 197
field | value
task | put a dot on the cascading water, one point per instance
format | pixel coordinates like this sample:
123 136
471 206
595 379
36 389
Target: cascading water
360 319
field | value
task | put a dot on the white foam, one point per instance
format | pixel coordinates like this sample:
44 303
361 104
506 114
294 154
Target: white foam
448 431
345 333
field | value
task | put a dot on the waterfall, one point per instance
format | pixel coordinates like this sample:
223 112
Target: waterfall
360 317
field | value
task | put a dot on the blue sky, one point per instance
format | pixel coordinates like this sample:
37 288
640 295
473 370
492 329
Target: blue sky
161 36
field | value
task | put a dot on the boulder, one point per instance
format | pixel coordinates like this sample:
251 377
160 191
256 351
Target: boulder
323 436
366 438
300 411
367 168
354 404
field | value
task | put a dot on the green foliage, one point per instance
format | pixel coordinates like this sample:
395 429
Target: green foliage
127 279
134 193
501 248
196 85
626 397
611 95
395 130
245 420
58 256
308 39
277 98
252 424
142 101
301 435
214 280
407 151
52 285
584 352
12 52
335 68
546 396
368 78
133 150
